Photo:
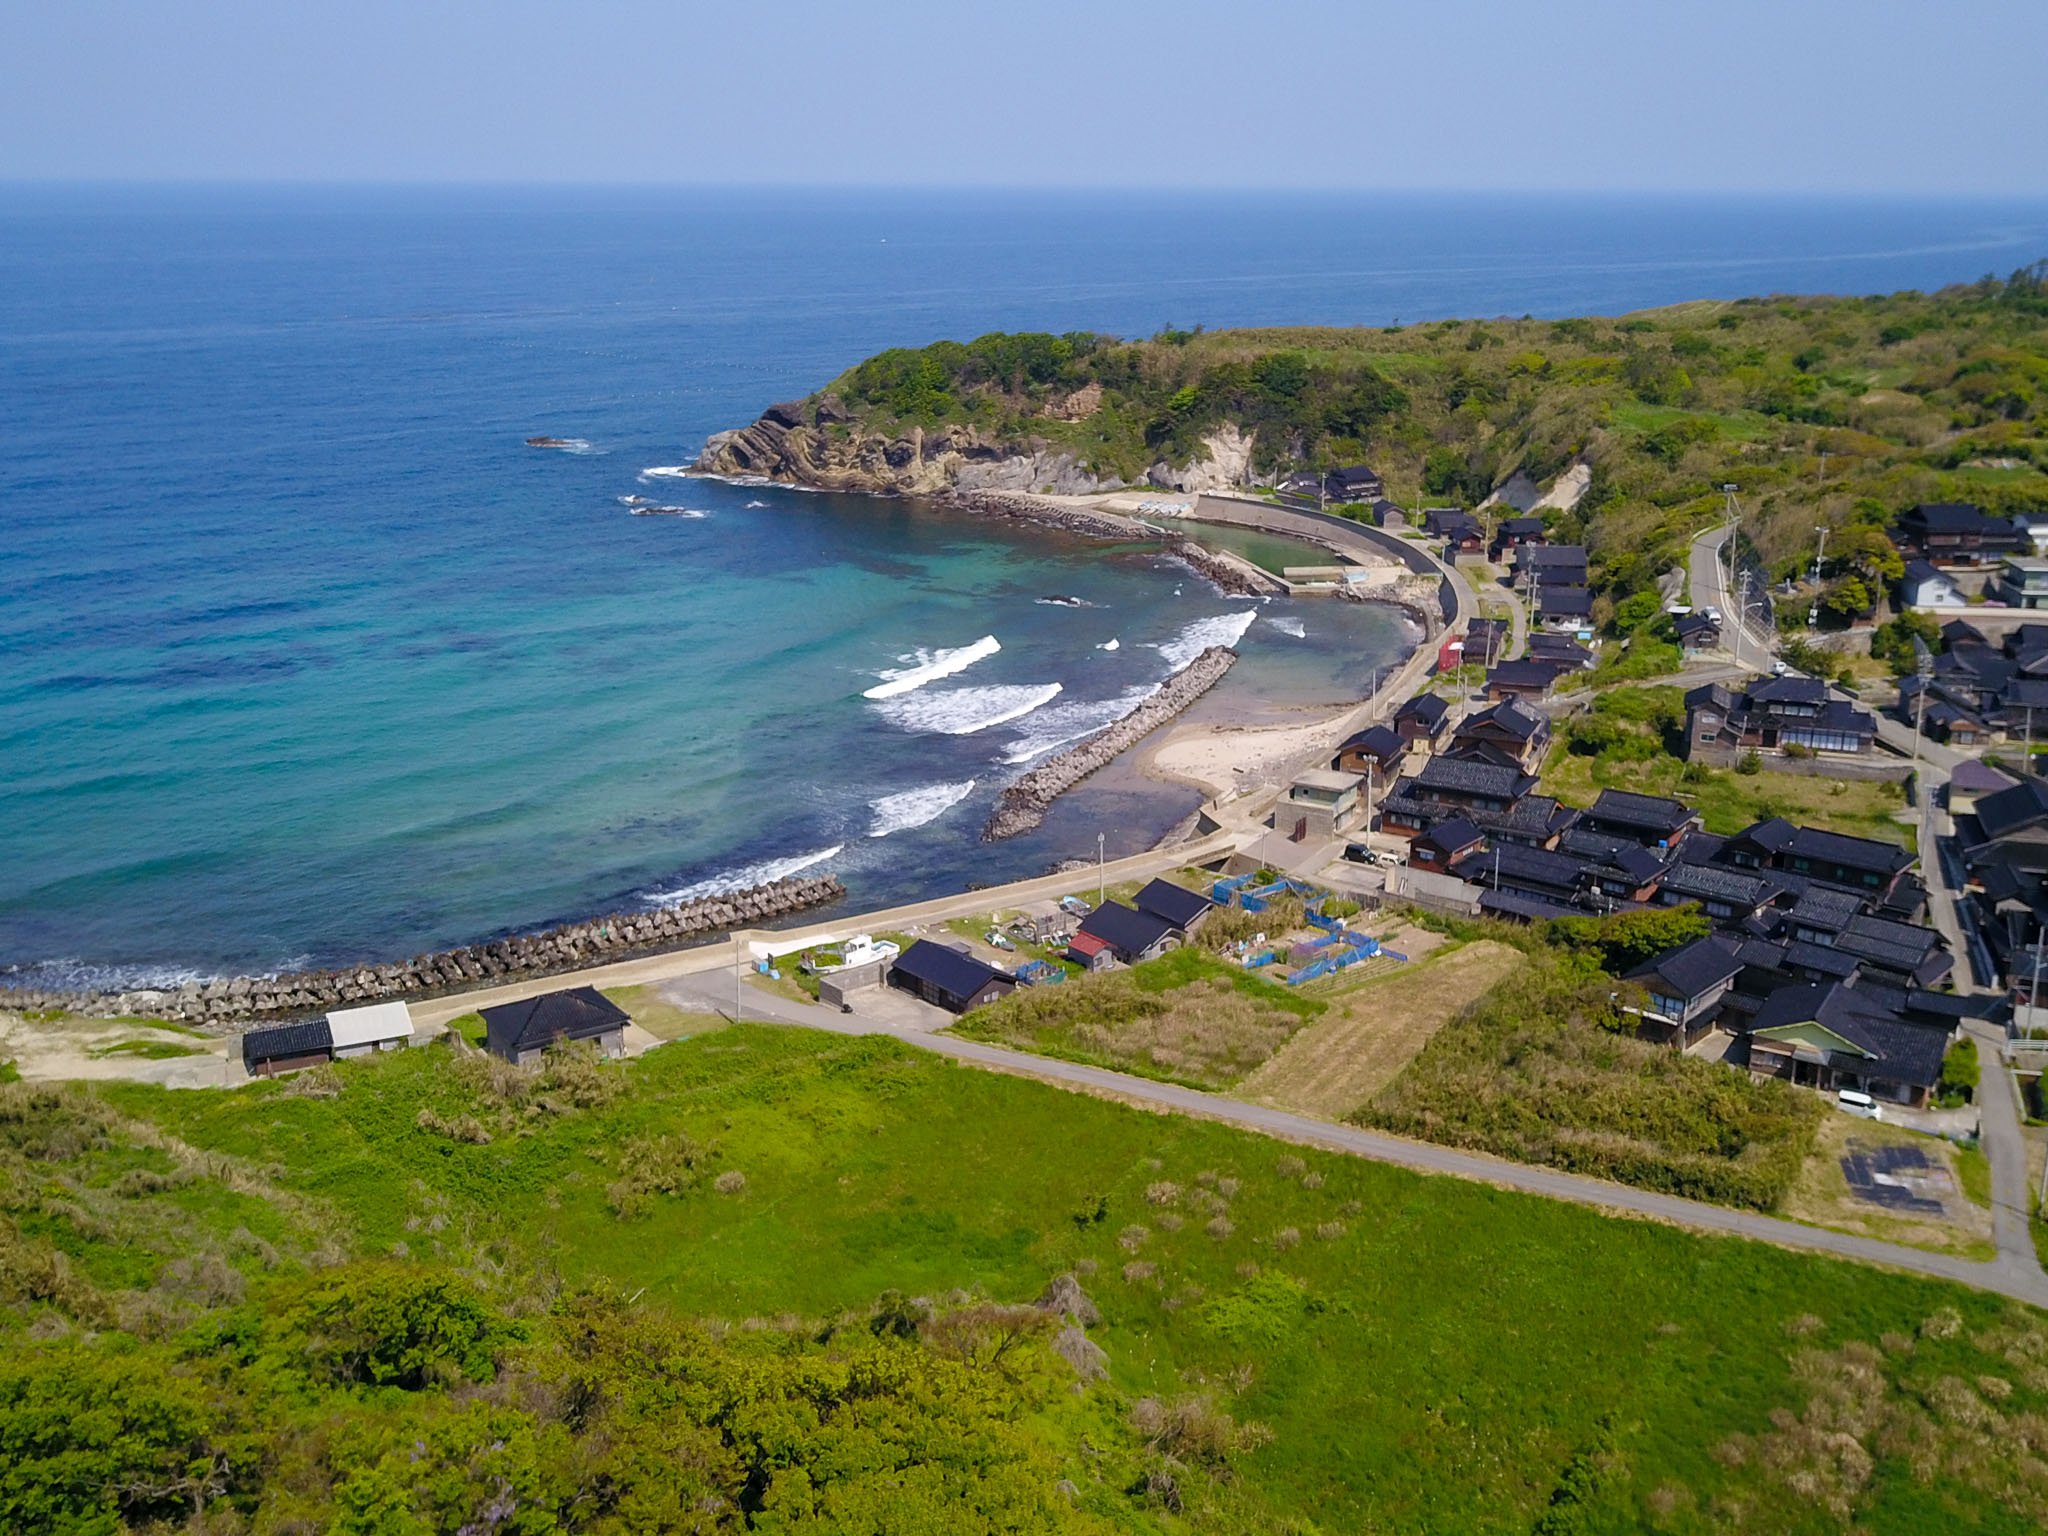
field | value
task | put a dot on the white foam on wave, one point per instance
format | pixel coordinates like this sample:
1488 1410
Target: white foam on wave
963 711
1222 629
752 482
665 472
914 807
654 509
1065 724
745 876
929 667
72 974
753 504
1109 645
1288 627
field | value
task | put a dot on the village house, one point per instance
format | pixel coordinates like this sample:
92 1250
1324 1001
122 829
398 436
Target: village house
1513 532
1321 803
282 1048
1444 844
1378 748
1520 680
946 978
1686 988
1176 904
1770 716
1565 609
1125 934
1970 781
1550 565
1422 719
1459 529
1846 1035
1926 585
1509 731
2022 582
1952 533
520 1032
1654 821
1698 633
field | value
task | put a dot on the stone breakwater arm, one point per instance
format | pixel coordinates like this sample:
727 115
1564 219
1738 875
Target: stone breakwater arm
570 947
1024 804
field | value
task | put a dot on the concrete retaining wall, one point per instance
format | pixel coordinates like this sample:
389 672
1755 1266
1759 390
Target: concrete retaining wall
1332 532
834 990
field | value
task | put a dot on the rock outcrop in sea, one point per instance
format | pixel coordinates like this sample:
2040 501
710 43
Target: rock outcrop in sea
569 947
817 443
1024 804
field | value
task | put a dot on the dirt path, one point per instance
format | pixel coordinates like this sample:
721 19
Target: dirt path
1368 1036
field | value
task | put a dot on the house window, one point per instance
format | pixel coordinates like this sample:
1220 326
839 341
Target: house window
1670 1007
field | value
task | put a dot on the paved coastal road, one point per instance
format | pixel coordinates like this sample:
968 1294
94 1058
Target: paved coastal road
2021 1282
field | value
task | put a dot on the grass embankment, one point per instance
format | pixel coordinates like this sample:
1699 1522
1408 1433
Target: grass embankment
1292 1341
1628 740
1183 1018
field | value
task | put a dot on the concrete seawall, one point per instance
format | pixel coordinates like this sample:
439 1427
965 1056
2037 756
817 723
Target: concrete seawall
570 947
1024 804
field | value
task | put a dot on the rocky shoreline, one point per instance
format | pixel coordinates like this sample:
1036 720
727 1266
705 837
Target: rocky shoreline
1024 804
572 946
1016 507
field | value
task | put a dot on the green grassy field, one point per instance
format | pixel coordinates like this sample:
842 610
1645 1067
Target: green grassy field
1407 1354
1728 801
1185 1017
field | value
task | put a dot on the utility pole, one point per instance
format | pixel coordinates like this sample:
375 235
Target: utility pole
1923 668
1101 870
1728 548
1819 557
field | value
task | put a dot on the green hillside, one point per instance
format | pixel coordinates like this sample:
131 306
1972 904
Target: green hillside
1834 411
775 1280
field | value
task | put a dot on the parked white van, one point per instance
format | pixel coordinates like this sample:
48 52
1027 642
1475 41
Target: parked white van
1861 1105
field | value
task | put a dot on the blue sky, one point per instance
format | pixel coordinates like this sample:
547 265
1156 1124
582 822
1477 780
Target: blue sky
1820 96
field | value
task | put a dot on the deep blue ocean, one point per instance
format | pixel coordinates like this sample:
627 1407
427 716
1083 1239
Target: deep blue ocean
305 657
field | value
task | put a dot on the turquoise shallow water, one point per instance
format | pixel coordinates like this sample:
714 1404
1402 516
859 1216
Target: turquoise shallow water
304 657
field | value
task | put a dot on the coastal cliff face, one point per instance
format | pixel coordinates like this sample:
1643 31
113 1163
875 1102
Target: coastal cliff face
814 443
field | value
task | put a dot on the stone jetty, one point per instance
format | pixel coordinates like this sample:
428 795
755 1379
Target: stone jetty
1024 804
1011 506
569 947
1240 578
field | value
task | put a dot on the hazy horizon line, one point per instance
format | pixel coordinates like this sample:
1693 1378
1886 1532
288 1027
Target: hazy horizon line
1069 189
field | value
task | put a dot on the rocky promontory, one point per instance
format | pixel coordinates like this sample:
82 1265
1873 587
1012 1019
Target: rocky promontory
1024 804
817 443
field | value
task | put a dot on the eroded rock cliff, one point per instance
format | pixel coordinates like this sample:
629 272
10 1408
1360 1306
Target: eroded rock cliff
814 443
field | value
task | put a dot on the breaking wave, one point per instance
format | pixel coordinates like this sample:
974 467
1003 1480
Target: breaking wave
1066 724
963 711
929 667
744 876
1289 627
665 472
1223 629
1109 645
74 975
915 807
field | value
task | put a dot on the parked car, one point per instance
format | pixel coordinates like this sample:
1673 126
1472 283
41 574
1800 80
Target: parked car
1861 1105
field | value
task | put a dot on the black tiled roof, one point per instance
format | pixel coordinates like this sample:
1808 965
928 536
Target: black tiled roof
580 1013
1125 928
1829 961
1550 557
1529 908
1564 602
1532 815
1850 852
2010 809
1511 716
1789 690
1712 882
1540 866
1453 835
1649 813
1463 776
1426 708
1176 903
943 967
1381 741
285 1040
1522 674
1693 968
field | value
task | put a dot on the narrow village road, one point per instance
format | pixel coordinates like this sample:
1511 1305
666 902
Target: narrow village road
2003 1277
